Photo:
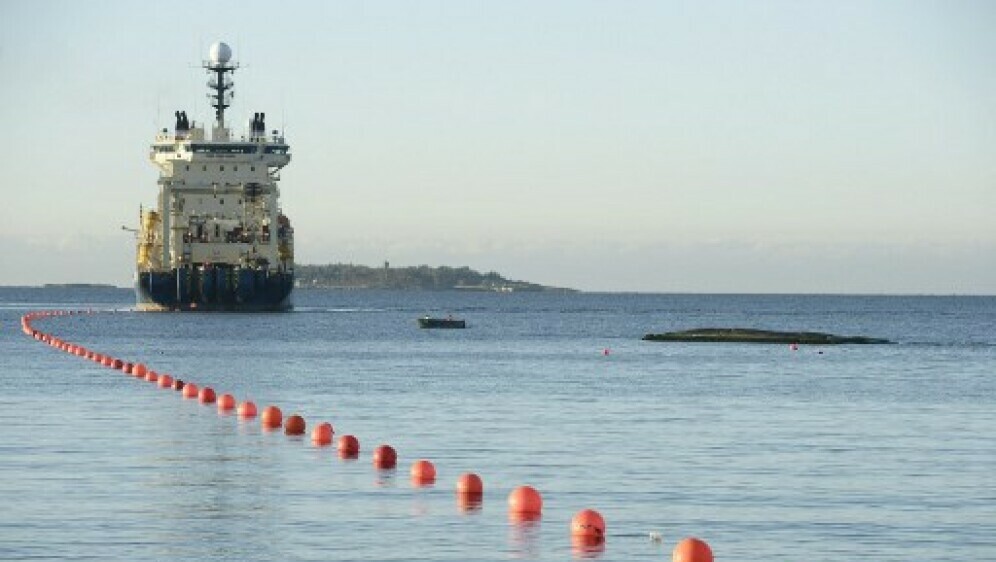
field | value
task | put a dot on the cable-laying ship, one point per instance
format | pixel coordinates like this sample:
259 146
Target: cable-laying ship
217 239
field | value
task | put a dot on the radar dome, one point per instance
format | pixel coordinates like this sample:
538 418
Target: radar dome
220 53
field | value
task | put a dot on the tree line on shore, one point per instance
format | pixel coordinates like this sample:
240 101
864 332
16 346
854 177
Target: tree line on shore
422 277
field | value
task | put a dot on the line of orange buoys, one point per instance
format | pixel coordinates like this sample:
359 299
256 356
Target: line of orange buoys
525 503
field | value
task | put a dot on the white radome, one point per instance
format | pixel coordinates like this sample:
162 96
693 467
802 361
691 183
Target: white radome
220 53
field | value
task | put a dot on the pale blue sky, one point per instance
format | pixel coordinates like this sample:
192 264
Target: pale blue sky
650 146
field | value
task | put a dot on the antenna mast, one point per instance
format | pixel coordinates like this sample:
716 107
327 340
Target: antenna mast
220 82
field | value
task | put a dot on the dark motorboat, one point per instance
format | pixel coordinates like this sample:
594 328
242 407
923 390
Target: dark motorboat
448 322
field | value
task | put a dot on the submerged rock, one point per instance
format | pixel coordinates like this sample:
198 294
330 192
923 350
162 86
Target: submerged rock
745 335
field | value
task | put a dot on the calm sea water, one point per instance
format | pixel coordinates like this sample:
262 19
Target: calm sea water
882 453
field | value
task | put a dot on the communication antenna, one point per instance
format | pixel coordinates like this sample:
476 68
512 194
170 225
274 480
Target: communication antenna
219 66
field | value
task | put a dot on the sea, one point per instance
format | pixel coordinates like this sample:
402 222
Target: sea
823 453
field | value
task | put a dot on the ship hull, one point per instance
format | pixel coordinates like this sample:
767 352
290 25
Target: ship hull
224 289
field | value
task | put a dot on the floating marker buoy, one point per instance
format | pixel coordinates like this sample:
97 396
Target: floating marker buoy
247 410
385 457
206 395
691 549
794 347
349 447
605 352
588 523
127 368
272 417
322 434
226 402
469 484
423 472
116 364
294 425
139 370
525 499
151 376
190 390
165 381
178 385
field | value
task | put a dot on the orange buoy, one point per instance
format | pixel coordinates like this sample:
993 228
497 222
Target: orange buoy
272 417
349 447
139 370
207 395
178 384
127 368
226 402
322 434
294 425
165 381
525 499
152 376
247 410
469 484
423 472
691 549
116 364
588 523
190 390
385 457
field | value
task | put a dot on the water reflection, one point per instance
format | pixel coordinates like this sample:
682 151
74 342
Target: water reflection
524 534
469 503
587 547
385 478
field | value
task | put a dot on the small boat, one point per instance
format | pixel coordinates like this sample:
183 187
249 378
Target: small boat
448 322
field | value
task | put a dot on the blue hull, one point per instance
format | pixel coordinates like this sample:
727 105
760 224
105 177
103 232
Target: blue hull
228 289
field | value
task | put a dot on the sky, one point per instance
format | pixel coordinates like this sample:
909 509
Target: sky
668 146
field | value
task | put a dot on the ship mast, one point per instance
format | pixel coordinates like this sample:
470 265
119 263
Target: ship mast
219 67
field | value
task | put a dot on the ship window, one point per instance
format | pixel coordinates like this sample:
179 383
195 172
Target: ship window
235 168
205 168
221 201
252 168
188 167
221 168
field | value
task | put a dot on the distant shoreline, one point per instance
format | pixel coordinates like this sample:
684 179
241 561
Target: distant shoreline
413 278
80 286
109 286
